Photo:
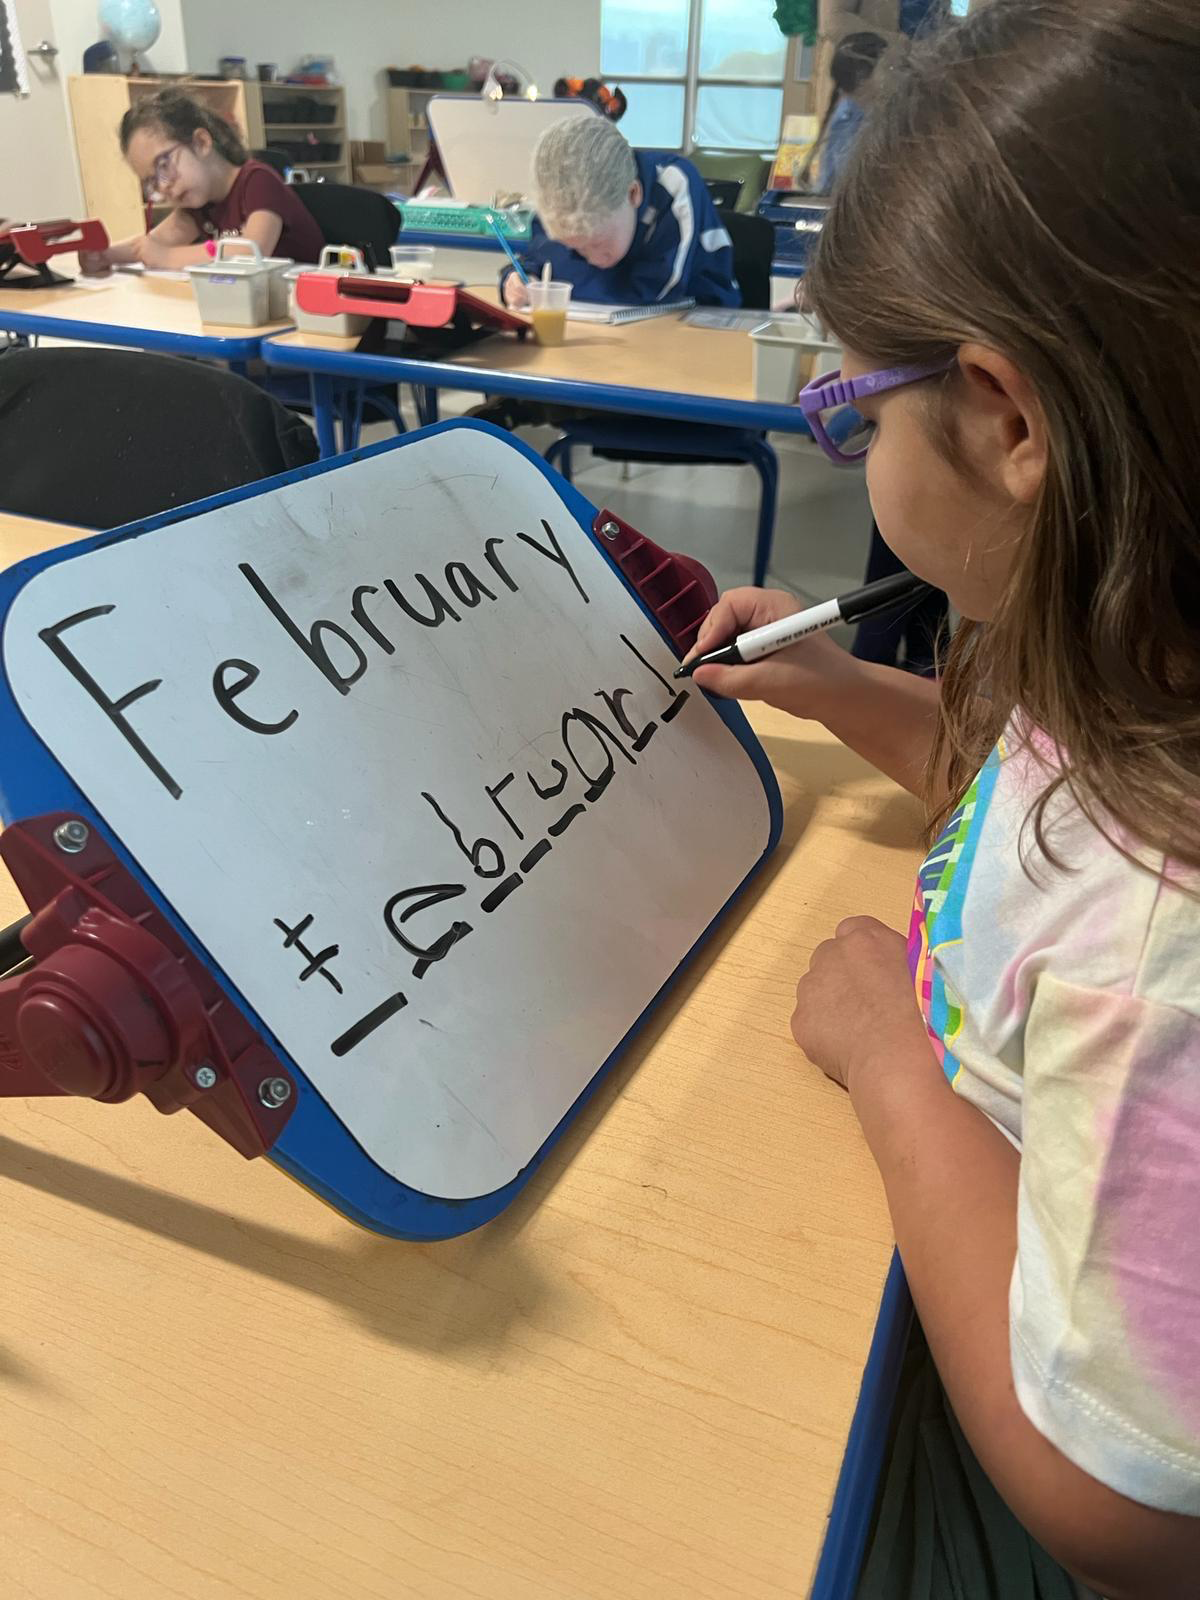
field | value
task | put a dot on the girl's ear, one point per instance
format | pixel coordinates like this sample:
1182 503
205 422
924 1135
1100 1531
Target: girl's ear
636 193
202 142
1001 426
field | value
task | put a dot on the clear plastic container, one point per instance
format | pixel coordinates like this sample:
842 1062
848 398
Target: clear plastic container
549 301
412 261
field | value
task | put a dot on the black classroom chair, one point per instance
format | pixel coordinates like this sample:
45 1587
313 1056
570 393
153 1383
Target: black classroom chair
349 215
96 438
689 444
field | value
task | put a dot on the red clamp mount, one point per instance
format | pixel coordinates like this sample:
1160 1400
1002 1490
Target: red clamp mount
35 243
99 996
677 589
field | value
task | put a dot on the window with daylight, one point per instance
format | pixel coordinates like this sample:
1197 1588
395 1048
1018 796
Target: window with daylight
697 73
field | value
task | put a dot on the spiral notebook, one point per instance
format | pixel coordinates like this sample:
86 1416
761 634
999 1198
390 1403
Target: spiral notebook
592 311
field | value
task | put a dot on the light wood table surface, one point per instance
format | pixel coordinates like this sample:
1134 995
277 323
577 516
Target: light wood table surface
660 353
636 1384
126 302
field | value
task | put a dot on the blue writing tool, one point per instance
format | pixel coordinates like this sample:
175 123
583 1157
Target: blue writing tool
507 248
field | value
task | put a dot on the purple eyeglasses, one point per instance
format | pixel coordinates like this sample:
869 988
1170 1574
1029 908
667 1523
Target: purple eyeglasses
845 436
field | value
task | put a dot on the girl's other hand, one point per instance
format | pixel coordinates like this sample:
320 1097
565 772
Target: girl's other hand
805 680
856 1009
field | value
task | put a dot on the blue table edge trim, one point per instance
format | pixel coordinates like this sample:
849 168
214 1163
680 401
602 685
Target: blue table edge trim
413 1215
844 1546
217 347
760 415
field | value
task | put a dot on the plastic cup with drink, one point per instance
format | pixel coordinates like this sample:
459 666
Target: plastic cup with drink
548 302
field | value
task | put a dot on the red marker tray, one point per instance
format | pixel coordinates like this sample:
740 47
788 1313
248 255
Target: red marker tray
33 244
420 305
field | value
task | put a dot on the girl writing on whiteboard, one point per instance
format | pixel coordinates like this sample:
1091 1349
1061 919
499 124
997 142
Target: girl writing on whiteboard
187 157
1026 1065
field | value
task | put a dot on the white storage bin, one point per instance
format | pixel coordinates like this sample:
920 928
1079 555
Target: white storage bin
336 260
240 287
280 267
788 352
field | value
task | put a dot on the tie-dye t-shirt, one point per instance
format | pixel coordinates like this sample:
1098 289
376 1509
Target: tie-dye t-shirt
1068 1009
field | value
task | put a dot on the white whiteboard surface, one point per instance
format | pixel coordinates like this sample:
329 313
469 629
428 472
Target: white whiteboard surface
318 826
486 146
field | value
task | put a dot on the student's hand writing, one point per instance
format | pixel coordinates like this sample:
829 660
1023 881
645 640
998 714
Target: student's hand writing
516 295
856 1009
804 680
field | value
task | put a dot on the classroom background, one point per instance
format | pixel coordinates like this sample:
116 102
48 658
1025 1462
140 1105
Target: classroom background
716 80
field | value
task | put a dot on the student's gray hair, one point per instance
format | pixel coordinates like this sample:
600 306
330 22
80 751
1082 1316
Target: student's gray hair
583 171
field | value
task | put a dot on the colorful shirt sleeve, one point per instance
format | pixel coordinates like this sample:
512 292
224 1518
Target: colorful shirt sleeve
1105 1297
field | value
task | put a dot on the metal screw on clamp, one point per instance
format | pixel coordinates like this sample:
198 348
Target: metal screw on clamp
274 1092
610 530
205 1076
71 837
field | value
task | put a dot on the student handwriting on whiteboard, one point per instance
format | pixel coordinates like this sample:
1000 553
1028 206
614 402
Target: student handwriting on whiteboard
534 810
529 828
234 675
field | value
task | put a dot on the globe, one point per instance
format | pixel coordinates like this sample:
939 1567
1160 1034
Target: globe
132 24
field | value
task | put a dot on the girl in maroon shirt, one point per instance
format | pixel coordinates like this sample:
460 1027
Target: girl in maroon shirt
186 155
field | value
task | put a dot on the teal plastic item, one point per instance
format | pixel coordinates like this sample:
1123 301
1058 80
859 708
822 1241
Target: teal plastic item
422 217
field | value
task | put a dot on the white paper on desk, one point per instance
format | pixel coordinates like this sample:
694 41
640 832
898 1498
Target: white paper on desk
166 274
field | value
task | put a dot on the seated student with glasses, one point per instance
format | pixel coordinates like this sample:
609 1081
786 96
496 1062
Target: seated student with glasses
190 158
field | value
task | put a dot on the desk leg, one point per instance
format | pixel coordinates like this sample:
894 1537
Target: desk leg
323 413
426 401
352 426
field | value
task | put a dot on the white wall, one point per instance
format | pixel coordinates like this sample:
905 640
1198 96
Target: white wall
77 25
364 36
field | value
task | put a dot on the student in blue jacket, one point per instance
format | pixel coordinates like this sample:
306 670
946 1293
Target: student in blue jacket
625 227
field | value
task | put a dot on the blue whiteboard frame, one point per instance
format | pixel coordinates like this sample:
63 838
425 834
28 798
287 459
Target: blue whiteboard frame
314 1146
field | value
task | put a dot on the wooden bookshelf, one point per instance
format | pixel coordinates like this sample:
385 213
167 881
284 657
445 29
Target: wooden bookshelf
261 99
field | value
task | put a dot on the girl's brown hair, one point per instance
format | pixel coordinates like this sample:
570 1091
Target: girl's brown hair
1028 179
181 117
